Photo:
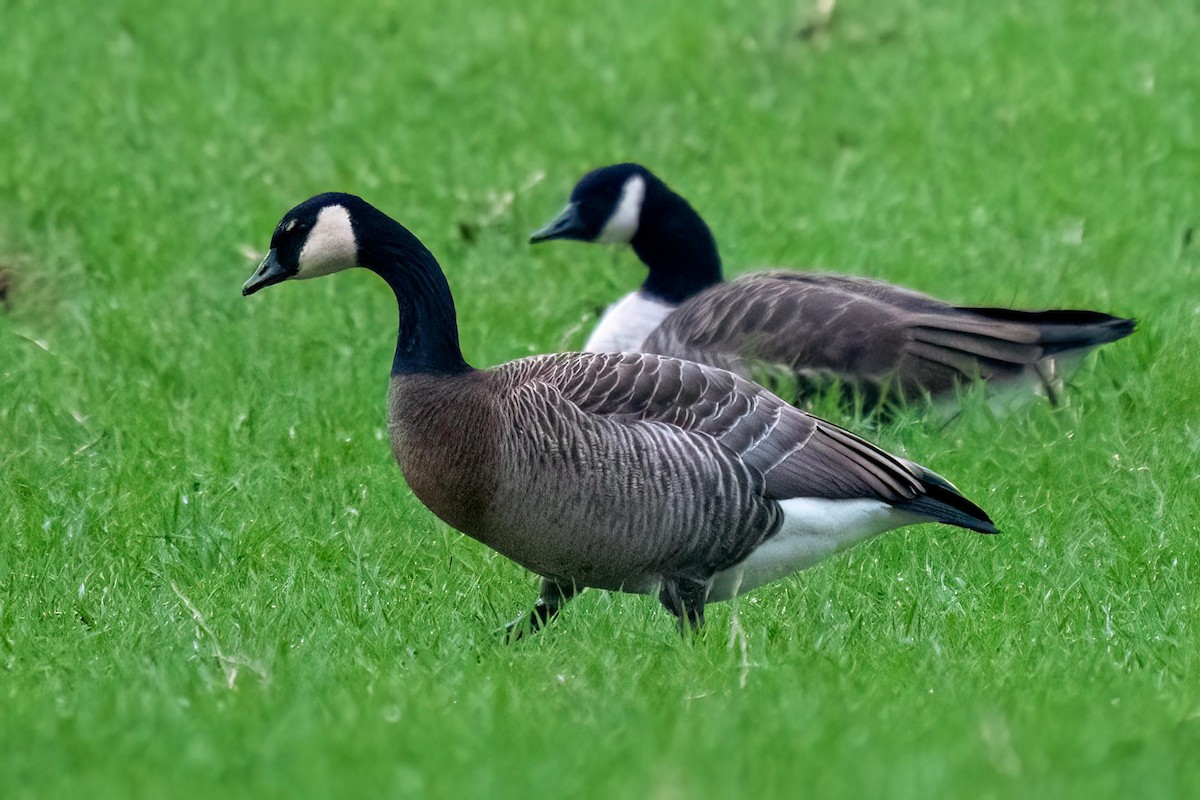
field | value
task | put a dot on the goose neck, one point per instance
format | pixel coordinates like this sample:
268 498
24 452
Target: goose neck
427 340
677 247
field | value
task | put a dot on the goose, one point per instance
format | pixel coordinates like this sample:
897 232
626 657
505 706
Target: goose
620 471
874 338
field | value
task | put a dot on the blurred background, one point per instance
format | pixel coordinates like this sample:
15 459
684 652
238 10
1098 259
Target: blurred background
213 578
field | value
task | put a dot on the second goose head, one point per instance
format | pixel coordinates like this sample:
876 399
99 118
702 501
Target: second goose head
605 206
627 204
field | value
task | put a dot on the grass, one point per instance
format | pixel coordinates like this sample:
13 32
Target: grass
213 579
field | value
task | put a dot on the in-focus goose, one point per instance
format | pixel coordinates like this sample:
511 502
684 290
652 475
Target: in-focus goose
866 334
626 472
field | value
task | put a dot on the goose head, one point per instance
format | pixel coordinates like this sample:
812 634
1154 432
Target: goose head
606 206
627 204
334 231
318 237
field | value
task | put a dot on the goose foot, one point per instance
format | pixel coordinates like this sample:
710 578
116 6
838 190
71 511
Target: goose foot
551 598
685 597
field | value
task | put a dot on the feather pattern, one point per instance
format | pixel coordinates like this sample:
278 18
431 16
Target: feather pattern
868 333
631 466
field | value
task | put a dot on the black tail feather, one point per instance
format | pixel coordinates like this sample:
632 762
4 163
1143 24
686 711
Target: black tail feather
942 502
1062 330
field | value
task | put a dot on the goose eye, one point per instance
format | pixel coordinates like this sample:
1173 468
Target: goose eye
293 231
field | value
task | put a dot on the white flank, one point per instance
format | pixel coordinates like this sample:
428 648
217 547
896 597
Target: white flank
623 223
813 529
627 323
330 245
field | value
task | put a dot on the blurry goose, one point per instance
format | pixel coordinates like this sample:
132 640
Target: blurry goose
626 472
865 334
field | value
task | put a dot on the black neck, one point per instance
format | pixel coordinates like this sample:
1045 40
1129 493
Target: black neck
427 342
677 246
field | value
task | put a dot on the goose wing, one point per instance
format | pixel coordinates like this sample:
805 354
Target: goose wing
797 454
672 467
788 319
865 331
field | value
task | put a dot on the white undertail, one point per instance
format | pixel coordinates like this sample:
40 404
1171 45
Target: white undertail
813 529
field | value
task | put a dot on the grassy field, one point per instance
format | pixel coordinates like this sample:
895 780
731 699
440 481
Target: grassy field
213 578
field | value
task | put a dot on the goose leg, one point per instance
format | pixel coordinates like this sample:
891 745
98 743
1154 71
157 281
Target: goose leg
551 598
684 597
1047 372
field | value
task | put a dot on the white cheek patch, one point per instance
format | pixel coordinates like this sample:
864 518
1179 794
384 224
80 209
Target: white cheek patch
330 245
623 223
